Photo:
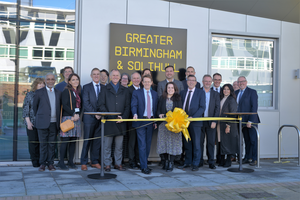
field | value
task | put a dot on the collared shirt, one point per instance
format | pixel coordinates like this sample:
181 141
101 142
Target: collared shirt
218 89
116 87
168 81
49 89
238 97
145 93
207 95
192 93
136 88
95 87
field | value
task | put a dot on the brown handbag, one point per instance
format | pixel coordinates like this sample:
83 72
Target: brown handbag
68 124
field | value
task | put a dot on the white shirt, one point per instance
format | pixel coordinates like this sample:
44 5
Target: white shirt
218 89
145 92
95 87
171 81
192 93
136 88
49 89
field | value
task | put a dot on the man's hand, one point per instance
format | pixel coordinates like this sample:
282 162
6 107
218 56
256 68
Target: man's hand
98 117
135 116
29 125
248 124
119 117
213 125
161 116
227 130
155 126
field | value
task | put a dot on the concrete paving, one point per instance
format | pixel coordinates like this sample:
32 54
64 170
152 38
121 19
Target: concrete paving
271 181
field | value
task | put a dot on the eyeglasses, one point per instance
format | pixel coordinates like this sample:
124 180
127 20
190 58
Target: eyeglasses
191 80
242 81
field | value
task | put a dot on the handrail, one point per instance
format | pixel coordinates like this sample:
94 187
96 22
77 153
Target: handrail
279 141
258 146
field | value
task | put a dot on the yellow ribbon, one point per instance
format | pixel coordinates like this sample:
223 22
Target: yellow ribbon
177 121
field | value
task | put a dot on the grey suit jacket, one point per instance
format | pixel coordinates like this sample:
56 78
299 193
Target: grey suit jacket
161 86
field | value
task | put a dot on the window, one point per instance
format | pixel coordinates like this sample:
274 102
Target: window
59 54
233 56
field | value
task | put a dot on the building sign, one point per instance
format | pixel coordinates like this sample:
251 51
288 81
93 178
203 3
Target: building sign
134 48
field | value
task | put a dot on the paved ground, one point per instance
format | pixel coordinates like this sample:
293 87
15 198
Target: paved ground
272 181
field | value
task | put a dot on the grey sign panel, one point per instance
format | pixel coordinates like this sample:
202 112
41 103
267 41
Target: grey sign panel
134 48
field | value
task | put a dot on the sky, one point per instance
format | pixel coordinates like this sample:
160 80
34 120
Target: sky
63 4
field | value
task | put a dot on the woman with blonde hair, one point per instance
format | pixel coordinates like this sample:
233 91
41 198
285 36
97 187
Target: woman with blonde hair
29 121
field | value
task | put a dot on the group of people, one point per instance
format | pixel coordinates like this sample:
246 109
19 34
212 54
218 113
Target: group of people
46 106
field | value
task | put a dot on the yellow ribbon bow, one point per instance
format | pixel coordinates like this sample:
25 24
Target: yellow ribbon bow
177 121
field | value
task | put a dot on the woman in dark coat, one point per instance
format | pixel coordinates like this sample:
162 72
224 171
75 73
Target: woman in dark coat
73 92
29 121
228 130
169 144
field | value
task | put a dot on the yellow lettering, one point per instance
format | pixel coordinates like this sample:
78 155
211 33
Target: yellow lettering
146 52
136 37
149 39
166 53
130 63
139 66
162 40
159 55
139 51
175 68
169 39
153 53
178 53
131 51
128 37
156 66
142 38
124 52
118 50
150 63
172 54
156 36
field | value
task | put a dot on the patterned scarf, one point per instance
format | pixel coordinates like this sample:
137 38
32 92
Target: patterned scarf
78 100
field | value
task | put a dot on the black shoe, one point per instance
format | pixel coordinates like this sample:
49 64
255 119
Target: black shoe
253 163
201 165
62 166
72 166
149 169
166 165
205 162
161 163
195 168
149 162
184 166
133 166
212 166
146 171
245 161
170 167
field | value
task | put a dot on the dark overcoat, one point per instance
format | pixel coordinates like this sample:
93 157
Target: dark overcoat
111 101
229 142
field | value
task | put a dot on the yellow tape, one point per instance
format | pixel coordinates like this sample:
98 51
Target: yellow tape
164 119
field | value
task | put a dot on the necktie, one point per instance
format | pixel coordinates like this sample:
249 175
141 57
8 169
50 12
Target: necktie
148 105
217 90
241 94
98 90
186 109
50 89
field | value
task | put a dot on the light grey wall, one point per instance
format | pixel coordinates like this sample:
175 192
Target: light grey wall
200 22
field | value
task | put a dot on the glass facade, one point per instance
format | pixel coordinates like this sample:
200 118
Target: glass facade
37 37
250 57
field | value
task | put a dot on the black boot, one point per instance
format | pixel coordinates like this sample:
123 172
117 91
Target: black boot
228 161
165 161
222 161
171 163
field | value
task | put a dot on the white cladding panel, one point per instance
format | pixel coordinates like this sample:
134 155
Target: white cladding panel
263 25
227 21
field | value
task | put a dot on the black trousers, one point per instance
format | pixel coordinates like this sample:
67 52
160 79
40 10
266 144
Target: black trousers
210 142
47 138
91 130
65 142
192 148
133 150
33 145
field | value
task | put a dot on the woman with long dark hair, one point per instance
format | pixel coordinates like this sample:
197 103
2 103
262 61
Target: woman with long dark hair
169 144
71 109
29 121
228 136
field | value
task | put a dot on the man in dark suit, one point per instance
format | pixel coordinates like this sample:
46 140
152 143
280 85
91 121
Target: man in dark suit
189 71
247 100
169 70
114 98
92 126
209 127
46 106
133 151
143 106
217 79
194 105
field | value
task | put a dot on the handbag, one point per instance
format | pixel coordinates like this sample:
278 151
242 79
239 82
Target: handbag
68 124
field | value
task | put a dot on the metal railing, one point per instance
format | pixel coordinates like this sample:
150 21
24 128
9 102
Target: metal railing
258 146
279 141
